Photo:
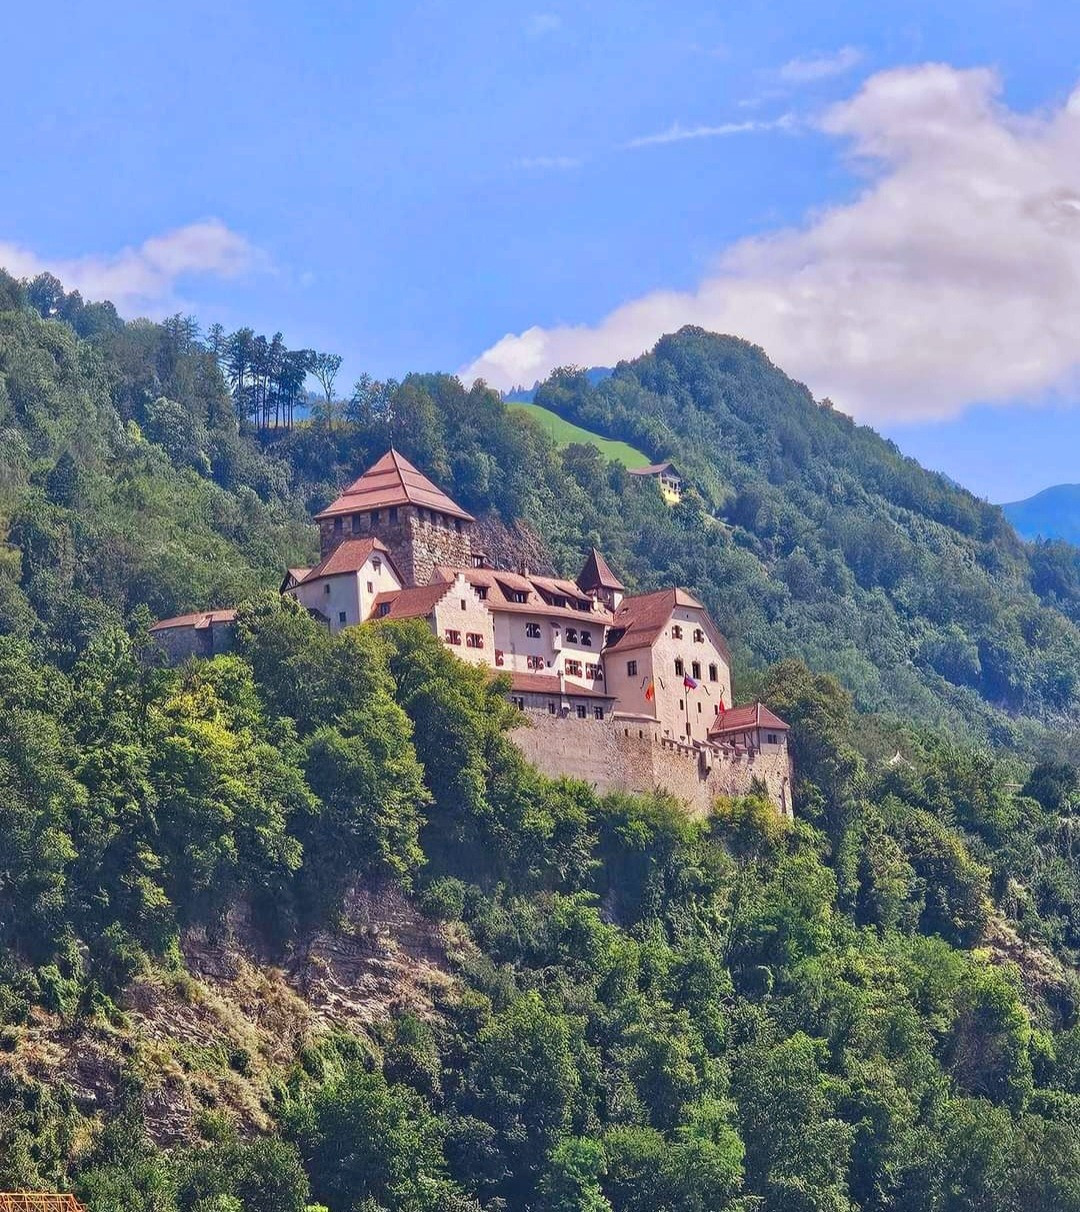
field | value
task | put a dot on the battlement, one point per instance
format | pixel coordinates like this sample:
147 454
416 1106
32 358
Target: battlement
628 753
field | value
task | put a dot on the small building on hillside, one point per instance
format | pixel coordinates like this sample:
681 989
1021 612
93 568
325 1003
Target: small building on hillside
667 477
207 633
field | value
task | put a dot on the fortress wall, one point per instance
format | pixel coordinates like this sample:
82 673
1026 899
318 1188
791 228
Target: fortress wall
620 754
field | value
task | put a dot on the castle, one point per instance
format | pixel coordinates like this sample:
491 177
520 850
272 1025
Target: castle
627 692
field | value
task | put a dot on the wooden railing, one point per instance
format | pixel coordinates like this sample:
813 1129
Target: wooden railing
38 1201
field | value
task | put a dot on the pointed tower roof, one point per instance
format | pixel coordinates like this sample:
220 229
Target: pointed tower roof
393 480
597 575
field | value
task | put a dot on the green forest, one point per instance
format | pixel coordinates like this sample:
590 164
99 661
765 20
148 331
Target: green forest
874 1008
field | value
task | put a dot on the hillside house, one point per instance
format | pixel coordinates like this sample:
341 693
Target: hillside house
667 478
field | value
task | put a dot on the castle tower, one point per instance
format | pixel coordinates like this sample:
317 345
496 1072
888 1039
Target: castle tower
597 580
398 504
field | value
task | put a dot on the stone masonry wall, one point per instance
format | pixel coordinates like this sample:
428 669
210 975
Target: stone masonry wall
416 545
626 754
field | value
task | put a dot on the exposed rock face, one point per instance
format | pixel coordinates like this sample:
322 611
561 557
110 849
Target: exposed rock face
514 547
216 1036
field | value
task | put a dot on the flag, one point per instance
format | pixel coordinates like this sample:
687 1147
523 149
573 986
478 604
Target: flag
689 682
650 692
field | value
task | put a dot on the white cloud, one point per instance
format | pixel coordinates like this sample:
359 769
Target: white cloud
820 67
143 279
538 24
676 133
953 277
548 162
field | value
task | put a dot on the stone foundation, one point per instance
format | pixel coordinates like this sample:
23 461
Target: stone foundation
623 753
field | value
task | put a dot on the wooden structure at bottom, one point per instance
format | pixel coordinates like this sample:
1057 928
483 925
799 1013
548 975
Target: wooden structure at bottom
38 1201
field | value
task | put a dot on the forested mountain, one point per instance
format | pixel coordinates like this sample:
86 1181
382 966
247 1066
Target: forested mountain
1053 513
299 924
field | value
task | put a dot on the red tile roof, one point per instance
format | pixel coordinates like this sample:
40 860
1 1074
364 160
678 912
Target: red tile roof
501 586
393 480
597 574
415 603
746 719
639 620
197 621
350 555
543 683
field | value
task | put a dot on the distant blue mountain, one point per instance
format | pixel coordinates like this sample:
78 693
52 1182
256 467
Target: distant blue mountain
1053 513
524 395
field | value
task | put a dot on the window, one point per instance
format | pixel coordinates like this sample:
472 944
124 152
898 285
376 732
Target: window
699 708
695 670
532 630
551 706
631 669
376 563
699 636
453 637
462 600
500 657
326 587
384 609
374 517
712 674
772 738
598 713
474 640
519 596
534 662
582 712
572 669
337 526
370 587
457 525
680 669
593 671
518 702
481 592
341 616
676 632
356 522
392 513
586 638
571 635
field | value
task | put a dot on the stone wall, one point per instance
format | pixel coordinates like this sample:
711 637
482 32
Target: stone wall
416 542
623 753
180 643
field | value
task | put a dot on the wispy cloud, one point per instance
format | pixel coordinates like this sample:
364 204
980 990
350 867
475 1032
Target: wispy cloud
538 24
820 67
548 163
677 133
144 278
953 277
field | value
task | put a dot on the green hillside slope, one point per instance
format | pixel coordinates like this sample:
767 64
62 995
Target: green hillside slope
563 433
299 926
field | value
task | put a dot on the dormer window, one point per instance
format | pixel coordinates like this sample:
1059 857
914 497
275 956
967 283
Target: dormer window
384 609
519 596
481 592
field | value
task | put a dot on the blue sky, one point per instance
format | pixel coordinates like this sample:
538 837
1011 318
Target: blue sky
409 183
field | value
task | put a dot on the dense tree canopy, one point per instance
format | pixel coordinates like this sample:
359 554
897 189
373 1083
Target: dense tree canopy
648 1013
